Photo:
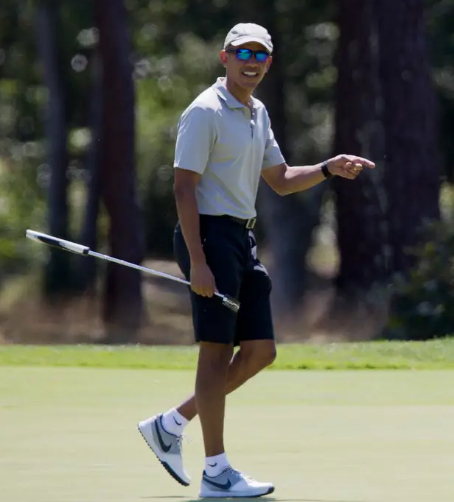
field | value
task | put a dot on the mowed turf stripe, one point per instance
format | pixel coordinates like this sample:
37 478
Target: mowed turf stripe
430 355
69 435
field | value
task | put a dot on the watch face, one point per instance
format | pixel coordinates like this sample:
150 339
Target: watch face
325 171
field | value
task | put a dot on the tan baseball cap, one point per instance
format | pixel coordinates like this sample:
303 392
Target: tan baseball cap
248 32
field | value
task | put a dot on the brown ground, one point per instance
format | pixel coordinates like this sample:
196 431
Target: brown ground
25 319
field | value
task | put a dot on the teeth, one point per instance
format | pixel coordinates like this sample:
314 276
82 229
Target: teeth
250 74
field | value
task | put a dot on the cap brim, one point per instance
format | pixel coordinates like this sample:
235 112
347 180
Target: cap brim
245 40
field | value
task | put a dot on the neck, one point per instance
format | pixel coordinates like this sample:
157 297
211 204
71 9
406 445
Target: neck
242 95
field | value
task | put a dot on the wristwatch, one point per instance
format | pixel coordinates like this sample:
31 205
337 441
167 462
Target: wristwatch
325 171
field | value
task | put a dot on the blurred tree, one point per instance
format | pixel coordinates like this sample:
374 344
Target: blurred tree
123 302
284 235
412 166
48 38
83 66
21 106
439 17
87 266
176 47
288 222
360 211
175 56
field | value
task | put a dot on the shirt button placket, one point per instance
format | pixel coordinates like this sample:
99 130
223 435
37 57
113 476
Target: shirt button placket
252 123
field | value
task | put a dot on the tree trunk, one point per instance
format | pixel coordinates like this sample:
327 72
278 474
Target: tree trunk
412 173
288 221
360 204
281 214
86 275
123 308
57 275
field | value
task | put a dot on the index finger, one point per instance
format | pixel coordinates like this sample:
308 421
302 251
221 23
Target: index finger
364 162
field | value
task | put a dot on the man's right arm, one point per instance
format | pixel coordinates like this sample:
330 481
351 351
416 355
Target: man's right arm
185 184
194 141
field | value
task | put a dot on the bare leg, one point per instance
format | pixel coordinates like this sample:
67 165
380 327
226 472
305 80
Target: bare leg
209 397
252 357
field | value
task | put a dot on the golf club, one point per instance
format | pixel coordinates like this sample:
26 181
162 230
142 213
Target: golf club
227 301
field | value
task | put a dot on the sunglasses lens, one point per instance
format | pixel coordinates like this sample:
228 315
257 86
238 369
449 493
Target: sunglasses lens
261 56
244 54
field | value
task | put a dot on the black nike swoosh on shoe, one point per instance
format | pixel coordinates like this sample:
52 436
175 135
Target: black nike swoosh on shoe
175 420
221 486
165 447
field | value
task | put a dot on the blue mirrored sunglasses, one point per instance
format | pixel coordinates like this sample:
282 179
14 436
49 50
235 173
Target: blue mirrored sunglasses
246 54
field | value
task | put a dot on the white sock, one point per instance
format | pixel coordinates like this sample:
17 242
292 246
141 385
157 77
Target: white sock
215 465
173 422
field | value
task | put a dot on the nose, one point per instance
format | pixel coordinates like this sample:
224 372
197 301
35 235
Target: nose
252 65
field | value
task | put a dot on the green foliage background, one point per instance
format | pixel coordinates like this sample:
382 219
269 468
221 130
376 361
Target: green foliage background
175 55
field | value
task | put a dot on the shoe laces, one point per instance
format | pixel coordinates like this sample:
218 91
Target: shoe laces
245 476
181 438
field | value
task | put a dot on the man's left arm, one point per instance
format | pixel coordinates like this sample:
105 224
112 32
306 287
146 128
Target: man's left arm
285 180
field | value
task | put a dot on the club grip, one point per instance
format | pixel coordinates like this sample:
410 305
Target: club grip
56 242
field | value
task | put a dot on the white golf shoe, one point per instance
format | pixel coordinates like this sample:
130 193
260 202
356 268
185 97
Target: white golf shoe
231 483
166 446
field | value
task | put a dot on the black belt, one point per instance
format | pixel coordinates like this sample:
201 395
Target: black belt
248 223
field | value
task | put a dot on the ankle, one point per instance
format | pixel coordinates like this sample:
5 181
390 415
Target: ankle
216 464
173 422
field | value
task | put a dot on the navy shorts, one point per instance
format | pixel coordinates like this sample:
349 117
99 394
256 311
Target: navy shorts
231 253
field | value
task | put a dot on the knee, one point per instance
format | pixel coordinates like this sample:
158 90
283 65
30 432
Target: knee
269 356
262 356
215 356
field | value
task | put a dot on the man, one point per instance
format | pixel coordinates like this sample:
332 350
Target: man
225 144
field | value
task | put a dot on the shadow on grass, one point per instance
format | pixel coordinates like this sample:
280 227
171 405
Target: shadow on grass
247 499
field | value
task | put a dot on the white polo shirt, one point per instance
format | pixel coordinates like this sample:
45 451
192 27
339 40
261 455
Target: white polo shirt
229 145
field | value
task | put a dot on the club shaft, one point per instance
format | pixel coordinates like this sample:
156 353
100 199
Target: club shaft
86 251
141 268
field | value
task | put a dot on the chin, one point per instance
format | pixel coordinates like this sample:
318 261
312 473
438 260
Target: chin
249 84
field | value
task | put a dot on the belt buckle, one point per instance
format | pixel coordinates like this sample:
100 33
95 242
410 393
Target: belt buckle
250 224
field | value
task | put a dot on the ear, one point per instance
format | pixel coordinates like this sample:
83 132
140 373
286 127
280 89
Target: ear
268 63
223 57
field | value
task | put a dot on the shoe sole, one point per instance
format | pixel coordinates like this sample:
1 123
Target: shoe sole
166 466
225 495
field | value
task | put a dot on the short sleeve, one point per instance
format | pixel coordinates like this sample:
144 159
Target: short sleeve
273 155
195 138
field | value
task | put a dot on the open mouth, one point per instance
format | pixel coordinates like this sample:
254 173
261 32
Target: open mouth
250 74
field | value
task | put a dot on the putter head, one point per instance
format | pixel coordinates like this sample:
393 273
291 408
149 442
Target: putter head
231 303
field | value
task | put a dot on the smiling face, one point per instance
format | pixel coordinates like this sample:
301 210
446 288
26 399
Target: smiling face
245 75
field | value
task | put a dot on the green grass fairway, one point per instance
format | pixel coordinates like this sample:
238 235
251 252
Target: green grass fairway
430 355
69 435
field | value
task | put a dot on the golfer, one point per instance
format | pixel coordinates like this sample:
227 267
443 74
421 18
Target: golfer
225 143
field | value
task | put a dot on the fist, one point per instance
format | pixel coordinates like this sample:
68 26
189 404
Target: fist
348 166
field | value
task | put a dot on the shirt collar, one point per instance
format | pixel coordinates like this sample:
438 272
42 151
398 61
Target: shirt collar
221 90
